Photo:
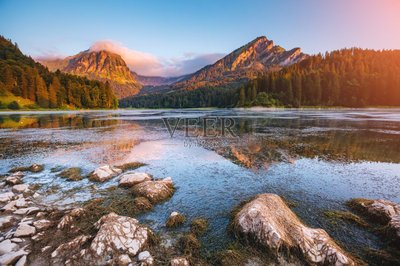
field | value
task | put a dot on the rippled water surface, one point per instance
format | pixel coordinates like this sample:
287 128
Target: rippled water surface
318 159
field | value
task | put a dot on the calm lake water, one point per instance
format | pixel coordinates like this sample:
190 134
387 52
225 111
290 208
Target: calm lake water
317 159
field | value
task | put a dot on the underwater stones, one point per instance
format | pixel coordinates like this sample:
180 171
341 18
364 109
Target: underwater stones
34 168
270 222
131 179
155 191
104 173
142 204
71 174
382 211
117 235
198 226
175 219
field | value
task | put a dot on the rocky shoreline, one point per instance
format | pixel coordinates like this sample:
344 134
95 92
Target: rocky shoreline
33 233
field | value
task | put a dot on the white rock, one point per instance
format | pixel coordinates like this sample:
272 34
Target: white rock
104 173
6 197
12 257
25 230
20 188
179 261
46 248
22 261
124 260
7 246
42 224
145 258
270 223
131 179
16 240
154 191
117 235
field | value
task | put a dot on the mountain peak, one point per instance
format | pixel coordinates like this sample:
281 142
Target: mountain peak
100 65
246 62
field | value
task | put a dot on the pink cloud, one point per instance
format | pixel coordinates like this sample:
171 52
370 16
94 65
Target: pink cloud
150 65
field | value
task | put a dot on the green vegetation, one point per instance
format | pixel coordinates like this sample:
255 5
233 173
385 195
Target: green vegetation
175 220
72 174
198 226
203 97
348 77
130 166
27 84
346 216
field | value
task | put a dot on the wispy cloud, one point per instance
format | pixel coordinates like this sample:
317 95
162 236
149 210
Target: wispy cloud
150 65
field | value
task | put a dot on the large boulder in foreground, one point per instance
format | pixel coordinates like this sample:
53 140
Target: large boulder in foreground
382 211
117 235
104 173
155 191
269 222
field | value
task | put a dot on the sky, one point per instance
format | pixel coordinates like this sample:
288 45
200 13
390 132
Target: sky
170 38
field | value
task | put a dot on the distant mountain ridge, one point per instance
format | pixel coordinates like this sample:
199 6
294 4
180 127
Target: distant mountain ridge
99 65
244 63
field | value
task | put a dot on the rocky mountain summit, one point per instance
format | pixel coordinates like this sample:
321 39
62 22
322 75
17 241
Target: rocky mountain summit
99 65
250 60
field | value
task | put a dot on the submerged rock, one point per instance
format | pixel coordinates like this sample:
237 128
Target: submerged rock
269 222
155 191
142 204
381 211
34 168
198 226
71 174
104 173
175 219
131 179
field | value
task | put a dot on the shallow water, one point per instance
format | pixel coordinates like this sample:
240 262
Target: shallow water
316 158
